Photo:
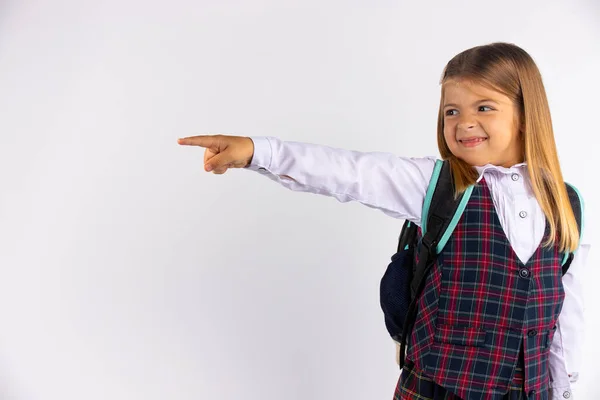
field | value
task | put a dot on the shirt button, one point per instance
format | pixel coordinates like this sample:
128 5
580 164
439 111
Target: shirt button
532 392
522 214
524 273
532 332
515 177
566 394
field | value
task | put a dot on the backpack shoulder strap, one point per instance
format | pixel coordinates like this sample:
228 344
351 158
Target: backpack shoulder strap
442 210
578 208
440 215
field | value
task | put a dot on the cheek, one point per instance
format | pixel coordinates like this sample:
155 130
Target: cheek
447 129
501 130
449 136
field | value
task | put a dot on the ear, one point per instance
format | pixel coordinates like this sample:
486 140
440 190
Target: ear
522 129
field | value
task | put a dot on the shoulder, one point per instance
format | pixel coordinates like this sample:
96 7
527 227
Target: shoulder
423 165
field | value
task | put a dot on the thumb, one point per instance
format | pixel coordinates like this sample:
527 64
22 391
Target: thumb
217 161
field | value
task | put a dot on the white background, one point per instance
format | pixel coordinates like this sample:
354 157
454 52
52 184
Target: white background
128 272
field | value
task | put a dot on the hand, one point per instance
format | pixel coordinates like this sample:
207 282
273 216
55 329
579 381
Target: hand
222 151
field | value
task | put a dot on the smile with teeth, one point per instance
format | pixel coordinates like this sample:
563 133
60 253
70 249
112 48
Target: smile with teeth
472 141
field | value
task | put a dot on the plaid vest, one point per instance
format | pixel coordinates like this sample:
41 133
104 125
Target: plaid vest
481 304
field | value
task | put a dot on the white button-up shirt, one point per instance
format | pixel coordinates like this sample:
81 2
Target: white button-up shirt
397 186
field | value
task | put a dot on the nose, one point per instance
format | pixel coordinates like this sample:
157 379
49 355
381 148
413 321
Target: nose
466 122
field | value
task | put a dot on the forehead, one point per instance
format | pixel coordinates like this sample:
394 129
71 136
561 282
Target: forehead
455 88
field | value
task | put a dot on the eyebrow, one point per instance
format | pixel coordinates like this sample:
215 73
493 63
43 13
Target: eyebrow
477 102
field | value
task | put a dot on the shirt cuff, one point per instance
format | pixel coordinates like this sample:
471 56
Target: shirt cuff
263 154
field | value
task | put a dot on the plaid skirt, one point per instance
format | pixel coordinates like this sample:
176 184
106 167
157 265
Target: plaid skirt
414 385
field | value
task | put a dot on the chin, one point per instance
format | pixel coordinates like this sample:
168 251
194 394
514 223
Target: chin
476 161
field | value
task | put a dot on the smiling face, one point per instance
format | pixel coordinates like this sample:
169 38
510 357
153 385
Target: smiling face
481 126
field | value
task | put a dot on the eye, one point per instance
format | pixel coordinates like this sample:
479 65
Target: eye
448 113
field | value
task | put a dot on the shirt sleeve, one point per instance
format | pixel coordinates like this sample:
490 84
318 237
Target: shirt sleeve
392 184
566 348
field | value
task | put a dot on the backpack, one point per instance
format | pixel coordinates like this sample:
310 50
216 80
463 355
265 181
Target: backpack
404 279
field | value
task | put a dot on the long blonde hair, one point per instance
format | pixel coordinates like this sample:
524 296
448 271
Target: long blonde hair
507 68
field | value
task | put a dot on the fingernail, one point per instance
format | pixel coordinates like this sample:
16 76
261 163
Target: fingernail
208 167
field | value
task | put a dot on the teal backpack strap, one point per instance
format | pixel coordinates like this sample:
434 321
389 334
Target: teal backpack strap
441 212
578 209
440 198
429 195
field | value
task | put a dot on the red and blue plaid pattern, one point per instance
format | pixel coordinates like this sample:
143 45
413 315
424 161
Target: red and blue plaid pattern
481 306
414 385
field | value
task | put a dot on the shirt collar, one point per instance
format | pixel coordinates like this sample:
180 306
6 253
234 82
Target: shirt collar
490 167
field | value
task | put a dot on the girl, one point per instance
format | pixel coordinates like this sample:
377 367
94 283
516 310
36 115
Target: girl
496 320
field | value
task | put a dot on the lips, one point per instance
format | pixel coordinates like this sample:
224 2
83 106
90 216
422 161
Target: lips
472 141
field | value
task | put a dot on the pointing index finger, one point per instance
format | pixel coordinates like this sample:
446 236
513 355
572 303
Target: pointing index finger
201 140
